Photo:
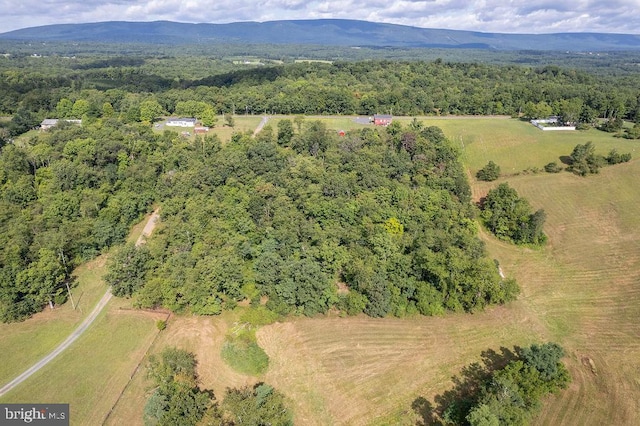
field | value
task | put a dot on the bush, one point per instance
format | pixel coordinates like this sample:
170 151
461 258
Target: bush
615 158
489 173
553 167
161 325
244 355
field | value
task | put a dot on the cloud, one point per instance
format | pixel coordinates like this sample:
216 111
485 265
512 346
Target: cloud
509 16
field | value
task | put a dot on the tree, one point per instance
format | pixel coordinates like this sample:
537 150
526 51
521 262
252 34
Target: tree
177 399
509 216
207 117
228 118
150 110
80 108
285 132
127 269
64 108
261 405
489 173
507 389
583 160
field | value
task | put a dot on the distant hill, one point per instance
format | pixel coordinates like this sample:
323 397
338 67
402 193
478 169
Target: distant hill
331 32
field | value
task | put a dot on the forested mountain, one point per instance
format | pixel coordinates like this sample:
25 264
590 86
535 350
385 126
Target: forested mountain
332 32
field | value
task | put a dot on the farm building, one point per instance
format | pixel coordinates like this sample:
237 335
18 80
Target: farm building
181 122
200 129
382 119
551 123
48 123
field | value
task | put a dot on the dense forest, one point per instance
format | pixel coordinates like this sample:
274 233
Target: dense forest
32 88
287 215
378 221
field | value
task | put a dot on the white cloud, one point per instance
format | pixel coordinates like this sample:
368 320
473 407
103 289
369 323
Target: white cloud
510 16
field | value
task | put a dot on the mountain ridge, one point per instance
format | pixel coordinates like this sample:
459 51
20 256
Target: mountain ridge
332 32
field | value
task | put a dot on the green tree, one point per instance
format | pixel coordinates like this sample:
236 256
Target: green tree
261 405
80 108
150 110
285 132
64 108
584 161
127 269
510 217
207 117
176 399
489 173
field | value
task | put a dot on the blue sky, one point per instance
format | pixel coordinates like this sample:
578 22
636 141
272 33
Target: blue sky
507 16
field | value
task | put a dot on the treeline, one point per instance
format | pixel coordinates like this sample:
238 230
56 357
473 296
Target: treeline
65 196
363 88
378 221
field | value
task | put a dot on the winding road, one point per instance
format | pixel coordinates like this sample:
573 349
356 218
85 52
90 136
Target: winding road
148 229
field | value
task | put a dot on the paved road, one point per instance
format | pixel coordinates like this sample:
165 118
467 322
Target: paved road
148 229
64 345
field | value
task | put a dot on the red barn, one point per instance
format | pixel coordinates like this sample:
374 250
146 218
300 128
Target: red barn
382 119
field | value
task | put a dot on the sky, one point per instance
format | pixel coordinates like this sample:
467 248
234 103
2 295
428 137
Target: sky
502 16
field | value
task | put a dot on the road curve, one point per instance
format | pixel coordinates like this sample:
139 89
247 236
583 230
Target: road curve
64 345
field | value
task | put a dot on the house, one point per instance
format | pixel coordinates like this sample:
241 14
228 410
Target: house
382 119
48 123
181 122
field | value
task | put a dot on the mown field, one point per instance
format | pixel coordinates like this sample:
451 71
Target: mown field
582 290
24 343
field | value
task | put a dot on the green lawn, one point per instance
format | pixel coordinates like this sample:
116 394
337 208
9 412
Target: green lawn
24 343
517 145
91 374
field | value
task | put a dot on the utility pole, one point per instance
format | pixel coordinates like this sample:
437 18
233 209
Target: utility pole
66 281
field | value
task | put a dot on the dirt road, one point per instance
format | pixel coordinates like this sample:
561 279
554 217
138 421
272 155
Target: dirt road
148 229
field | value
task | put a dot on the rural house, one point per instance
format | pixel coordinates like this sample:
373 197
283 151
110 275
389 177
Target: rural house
382 119
181 122
48 123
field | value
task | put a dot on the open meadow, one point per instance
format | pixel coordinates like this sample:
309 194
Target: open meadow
582 290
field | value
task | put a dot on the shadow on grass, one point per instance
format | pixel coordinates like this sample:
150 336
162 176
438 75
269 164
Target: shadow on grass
453 406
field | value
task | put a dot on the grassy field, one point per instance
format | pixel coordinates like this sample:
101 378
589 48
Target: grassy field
24 343
91 374
582 290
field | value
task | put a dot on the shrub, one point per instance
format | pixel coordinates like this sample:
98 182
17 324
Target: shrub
489 173
553 167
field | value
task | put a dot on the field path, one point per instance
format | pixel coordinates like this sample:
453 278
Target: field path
261 125
64 345
148 229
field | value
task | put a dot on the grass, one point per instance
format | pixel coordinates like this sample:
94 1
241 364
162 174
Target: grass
582 290
516 145
24 343
91 374
244 355
242 123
